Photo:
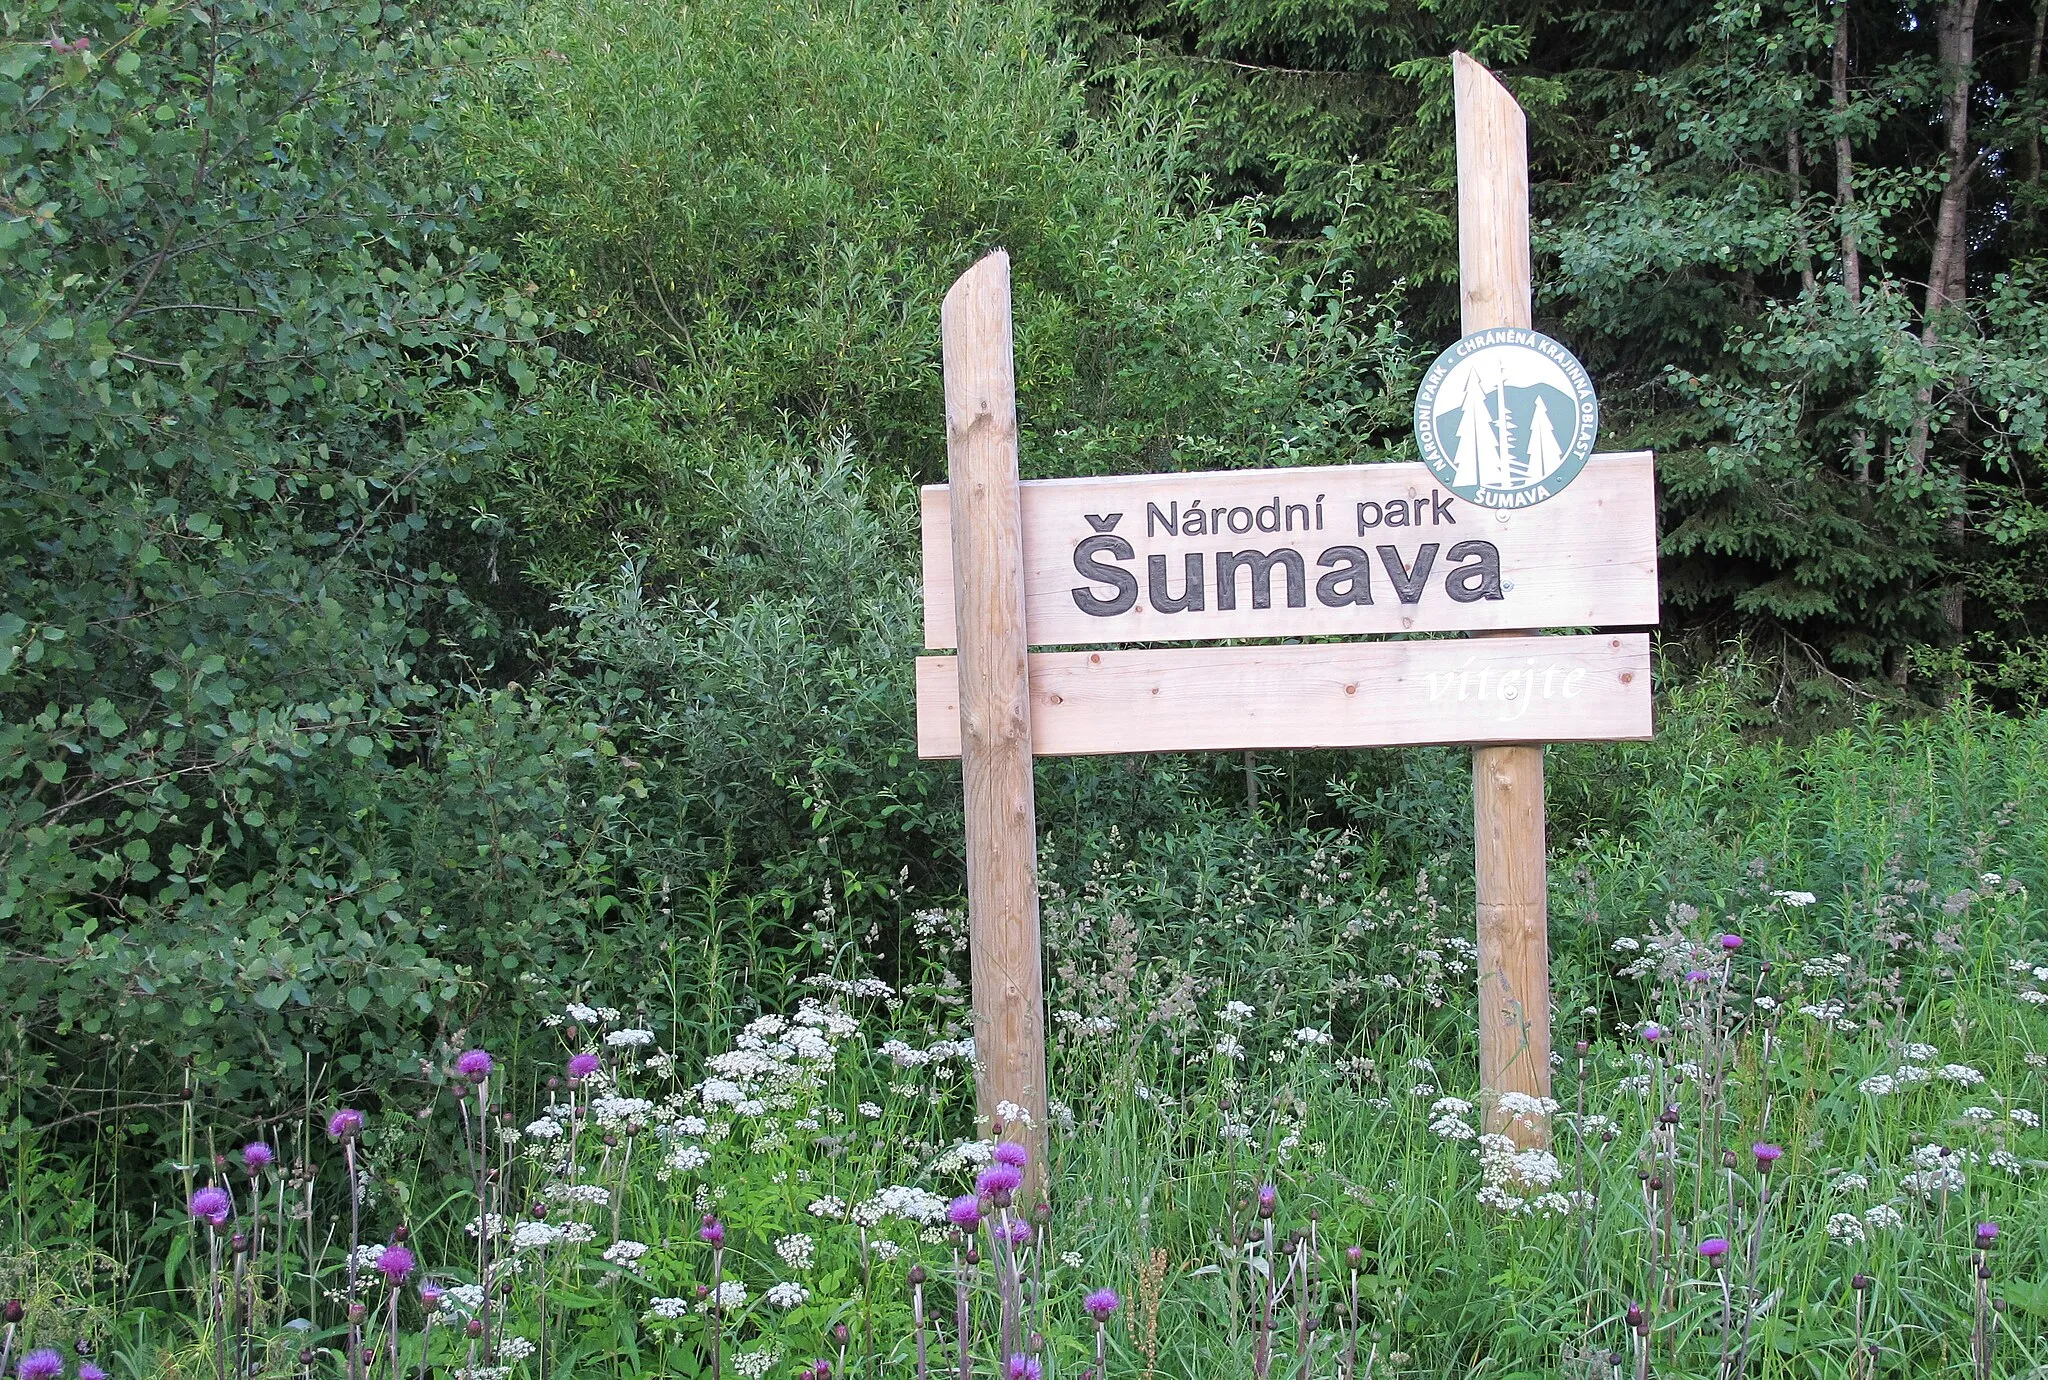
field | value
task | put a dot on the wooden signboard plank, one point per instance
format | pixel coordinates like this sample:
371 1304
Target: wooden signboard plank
1309 552
1586 688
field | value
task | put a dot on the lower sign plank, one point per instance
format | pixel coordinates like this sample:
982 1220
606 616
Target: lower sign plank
1591 688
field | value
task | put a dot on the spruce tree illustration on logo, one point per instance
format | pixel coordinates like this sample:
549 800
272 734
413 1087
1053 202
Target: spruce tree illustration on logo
1506 417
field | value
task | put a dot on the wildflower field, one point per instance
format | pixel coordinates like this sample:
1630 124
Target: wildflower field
1802 1004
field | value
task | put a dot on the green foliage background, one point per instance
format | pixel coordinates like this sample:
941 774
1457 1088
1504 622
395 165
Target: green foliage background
458 529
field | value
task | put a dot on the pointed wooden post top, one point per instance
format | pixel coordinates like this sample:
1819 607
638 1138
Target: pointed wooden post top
1493 200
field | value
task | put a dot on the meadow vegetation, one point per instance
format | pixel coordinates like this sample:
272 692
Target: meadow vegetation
455 729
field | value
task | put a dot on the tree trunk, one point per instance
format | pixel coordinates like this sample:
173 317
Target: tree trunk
1948 260
1795 169
2034 81
1845 160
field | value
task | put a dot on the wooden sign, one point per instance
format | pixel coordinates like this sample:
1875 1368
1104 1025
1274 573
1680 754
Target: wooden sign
1511 525
1313 552
1340 695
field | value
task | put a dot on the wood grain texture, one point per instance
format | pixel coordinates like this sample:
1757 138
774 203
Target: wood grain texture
1591 688
1586 558
1493 200
994 717
1507 781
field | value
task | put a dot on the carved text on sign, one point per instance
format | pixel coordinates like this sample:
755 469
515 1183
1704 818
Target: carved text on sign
1338 550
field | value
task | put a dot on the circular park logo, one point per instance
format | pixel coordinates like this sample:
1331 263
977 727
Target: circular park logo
1506 417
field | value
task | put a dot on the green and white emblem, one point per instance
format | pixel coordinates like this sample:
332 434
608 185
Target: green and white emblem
1506 417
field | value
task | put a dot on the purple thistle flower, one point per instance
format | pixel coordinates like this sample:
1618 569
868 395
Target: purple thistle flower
1010 1153
1653 1032
345 1124
474 1064
1100 1304
1697 975
88 1371
1765 1153
999 1179
964 1212
212 1206
1022 1367
258 1156
44 1363
1355 1254
395 1264
713 1230
1713 1248
1987 1232
581 1066
820 1369
1731 942
431 1294
1018 1232
1269 1198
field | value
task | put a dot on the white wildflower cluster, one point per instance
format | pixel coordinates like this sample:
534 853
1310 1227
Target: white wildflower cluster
776 1058
1670 955
545 1129
591 1015
914 1205
2024 1118
752 1365
1010 1114
1236 1013
1229 1047
906 1056
687 1159
668 1309
1447 1119
829 1207
1883 1217
1233 1129
796 1250
885 1250
629 1039
1796 899
514 1349
614 1113
466 1299
1521 1182
1847 1228
534 1236
1937 1169
1520 1106
1310 1036
1827 966
366 1257
580 1195
867 988
1059 1113
1851 1183
728 1297
1960 1074
490 1222
788 1294
965 1158
624 1253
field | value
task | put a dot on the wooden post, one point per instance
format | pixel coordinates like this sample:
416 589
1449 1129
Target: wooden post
1507 782
995 702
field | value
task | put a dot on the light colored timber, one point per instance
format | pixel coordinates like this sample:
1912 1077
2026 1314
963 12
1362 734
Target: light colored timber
1586 558
994 718
1507 781
1588 688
